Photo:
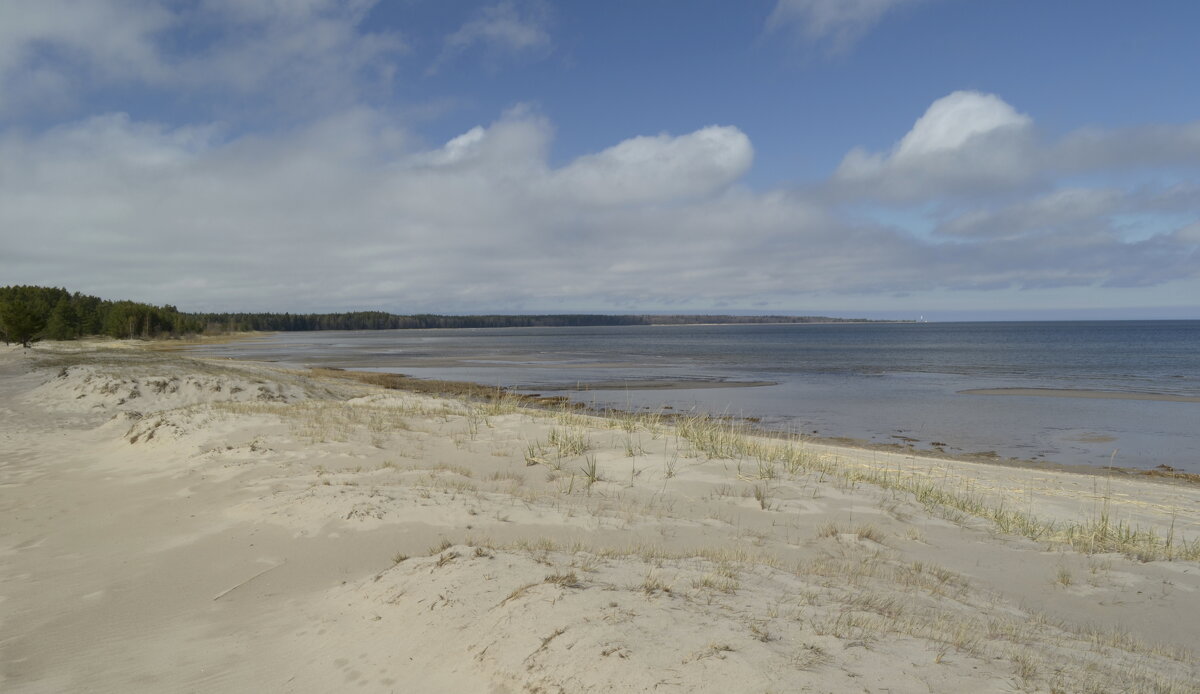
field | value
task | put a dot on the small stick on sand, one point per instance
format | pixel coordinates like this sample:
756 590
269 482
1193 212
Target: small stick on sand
229 590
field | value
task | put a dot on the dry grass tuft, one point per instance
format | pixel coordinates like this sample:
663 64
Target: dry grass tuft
652 584
566 580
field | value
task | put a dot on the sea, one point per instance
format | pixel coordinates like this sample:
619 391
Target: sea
1080 393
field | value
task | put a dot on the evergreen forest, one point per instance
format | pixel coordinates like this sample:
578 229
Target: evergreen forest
30 313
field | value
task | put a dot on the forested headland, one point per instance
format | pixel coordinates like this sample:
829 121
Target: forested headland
30 313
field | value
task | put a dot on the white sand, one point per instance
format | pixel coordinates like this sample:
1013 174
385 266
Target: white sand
168 524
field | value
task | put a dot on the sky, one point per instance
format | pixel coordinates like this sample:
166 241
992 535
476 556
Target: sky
946 159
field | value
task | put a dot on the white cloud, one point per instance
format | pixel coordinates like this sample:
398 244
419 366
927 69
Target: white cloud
54 51
1181 197
502 29
655 169
304 49
841 22
1070 208
953 121
50 48
460 148
639 170
347 213
1140 146
201 217
971 146
514 146
110 35
1005 214
965 141
501 25
1189 234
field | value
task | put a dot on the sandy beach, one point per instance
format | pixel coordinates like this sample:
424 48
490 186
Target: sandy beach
173 524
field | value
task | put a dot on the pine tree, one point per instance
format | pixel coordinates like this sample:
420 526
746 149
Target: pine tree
63 323
22 322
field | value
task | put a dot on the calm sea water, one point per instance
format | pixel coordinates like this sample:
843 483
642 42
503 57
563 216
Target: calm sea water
882 383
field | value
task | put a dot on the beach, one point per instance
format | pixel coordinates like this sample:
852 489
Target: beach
178 524
1074 393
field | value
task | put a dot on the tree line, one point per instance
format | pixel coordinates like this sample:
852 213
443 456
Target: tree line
379 320
29 313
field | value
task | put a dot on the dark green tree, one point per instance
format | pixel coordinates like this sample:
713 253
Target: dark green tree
63 323
91 318
124 320
22 322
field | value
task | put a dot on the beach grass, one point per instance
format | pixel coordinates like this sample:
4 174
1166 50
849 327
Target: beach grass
801 553
756 457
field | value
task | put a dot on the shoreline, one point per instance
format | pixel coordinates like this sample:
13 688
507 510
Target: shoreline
400 381
924 408
1081 393
183 343
184 524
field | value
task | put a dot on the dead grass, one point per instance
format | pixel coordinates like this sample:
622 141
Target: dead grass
566 579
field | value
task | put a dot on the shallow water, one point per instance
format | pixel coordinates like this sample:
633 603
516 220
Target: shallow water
882 383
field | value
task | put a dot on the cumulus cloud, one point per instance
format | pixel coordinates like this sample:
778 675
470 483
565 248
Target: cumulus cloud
654 169
344 208
1003 213
337 205
973 145
966 141
258 216
349 212
953 121
839 22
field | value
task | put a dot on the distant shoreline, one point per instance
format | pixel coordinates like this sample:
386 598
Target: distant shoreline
381 320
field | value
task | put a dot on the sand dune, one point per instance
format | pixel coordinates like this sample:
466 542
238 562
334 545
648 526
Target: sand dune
173 524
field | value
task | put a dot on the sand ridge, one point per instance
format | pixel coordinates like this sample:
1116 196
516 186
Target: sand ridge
233 527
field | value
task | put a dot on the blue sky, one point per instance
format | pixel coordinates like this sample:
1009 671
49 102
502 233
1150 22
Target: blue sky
955 159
